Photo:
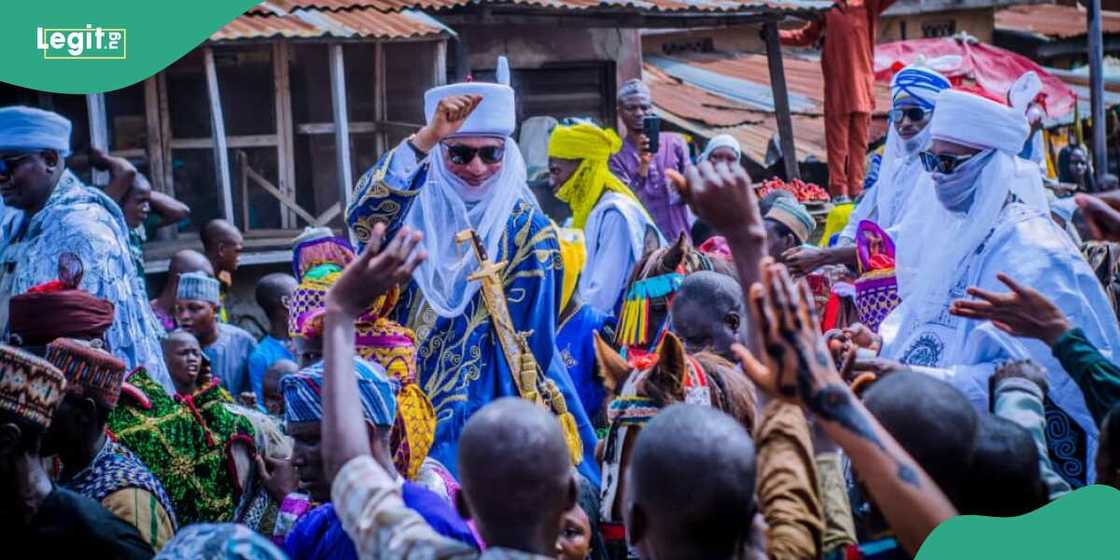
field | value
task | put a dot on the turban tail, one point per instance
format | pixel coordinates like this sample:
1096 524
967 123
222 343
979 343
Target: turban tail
594 146
573 253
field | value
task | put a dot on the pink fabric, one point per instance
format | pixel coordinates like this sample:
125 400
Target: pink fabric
991 68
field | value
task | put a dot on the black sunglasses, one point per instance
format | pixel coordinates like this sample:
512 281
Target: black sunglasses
943 163
10 163
915 114
462 155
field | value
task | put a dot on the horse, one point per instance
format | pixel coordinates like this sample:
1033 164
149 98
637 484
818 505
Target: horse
653 281
642 387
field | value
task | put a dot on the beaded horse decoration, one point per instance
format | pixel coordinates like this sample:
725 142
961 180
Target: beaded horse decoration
643 318
667 376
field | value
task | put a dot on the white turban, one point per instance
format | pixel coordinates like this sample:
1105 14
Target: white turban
496 114
919 83
970 120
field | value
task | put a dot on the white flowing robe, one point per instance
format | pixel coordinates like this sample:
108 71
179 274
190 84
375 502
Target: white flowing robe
615 234
1027 245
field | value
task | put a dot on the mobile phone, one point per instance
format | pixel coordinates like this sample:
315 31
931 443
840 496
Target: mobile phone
651 128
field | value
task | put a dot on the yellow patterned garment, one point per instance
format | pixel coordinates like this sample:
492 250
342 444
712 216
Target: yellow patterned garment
142 510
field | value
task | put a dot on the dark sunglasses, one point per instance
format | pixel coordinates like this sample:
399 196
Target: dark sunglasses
462 155
10 163
943 163
915 114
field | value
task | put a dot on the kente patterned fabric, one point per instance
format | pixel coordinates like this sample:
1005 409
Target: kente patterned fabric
84 221
187 443
460 366
876 288
303 394
30 387
116 468
90 372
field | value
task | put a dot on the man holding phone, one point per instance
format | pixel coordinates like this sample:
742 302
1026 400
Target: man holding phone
646 156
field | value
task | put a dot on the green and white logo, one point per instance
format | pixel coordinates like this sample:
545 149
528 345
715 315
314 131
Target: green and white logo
89 43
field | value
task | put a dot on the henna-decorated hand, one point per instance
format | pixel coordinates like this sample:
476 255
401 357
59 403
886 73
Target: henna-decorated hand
797 363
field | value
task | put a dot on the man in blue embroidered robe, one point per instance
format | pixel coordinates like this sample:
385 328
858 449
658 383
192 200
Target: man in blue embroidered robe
987 214
463 171
48 211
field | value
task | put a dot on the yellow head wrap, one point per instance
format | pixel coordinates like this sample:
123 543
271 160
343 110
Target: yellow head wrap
594 146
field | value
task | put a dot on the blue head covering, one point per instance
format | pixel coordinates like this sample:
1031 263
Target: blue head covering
219 541
25 129
303 394
200 286
919 84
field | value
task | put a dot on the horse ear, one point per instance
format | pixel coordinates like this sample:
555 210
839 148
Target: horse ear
672 358
613 368
676 253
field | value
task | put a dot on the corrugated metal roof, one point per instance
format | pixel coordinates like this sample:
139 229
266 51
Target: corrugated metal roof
270 19
639 5
1053 21
706 113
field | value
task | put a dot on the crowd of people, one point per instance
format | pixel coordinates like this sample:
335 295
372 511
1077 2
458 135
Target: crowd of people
677 371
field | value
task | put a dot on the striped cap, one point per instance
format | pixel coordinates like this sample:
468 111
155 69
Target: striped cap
303 394
199 286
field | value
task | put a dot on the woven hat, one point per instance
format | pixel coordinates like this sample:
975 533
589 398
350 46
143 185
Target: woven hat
90 371
199 286
30 387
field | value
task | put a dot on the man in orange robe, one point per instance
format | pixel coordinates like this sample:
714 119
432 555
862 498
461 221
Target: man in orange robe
847 52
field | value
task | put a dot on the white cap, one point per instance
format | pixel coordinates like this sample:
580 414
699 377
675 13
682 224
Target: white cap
496 115
970 120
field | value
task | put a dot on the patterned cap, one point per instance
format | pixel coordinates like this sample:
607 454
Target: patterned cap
199 286
90 371
303 394
30 387
793 215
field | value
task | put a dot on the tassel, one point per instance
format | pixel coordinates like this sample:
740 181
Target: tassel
571 437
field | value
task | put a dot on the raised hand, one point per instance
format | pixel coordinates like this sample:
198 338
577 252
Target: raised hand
1022 312
797 362
1102 215
121 173
450 115
376 271
722 196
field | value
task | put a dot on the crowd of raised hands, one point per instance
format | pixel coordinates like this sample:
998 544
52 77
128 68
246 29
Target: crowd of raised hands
786 355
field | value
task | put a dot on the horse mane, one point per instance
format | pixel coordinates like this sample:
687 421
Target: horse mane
732 392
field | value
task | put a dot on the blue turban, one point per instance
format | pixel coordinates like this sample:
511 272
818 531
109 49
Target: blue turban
918 83
303 394
25 129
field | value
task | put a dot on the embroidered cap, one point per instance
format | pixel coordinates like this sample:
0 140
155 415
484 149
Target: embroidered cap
496 114
30 387
89 370
199 286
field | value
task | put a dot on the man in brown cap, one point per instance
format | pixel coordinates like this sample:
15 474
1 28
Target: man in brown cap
92 464
37 517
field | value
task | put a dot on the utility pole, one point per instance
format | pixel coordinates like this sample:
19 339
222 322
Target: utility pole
1096 91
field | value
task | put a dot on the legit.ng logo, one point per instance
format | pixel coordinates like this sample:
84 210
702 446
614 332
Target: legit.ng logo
88 43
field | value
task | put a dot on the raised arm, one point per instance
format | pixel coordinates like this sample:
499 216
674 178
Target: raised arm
803 36
798 369
723 197
171 211
373 273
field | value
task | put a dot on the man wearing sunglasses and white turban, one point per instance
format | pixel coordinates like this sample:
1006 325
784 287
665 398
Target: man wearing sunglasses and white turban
463 171
914 91
986 215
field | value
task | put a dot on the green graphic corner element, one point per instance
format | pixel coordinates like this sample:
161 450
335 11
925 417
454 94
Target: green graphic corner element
86 46
1079 525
